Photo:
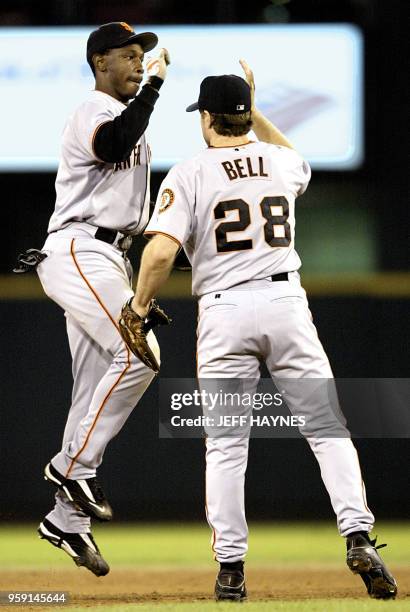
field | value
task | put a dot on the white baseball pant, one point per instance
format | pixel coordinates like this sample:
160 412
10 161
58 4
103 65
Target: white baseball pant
269 321
90 280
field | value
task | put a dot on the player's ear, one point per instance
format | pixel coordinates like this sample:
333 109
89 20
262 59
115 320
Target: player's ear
206 118
100 62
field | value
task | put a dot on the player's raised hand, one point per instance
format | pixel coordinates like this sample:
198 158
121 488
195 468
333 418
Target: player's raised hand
250 80
157 66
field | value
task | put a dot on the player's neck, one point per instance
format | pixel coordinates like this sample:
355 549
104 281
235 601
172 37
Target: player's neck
216 140
110 91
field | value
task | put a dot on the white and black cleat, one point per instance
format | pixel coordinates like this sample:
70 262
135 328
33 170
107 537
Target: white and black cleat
81 547
230 582
86 494
363 559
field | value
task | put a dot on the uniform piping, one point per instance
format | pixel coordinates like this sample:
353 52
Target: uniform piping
97 297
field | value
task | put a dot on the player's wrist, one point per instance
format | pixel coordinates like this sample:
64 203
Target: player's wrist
155 82
139 308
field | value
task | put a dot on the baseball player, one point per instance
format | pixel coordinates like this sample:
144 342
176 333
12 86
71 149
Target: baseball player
232 208
102 200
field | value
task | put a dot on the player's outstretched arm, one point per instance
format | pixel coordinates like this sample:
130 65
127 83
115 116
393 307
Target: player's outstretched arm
156 264
114 140
263 128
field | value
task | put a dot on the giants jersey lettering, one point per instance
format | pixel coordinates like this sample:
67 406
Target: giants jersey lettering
114 195
233 211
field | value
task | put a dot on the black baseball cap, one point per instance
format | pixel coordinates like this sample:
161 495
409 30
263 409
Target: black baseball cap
226 94
117 34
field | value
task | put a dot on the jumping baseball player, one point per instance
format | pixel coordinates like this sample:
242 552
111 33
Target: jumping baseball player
102 200
232 208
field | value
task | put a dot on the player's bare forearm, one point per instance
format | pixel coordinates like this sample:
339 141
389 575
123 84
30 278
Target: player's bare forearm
266 131
156 265
263 128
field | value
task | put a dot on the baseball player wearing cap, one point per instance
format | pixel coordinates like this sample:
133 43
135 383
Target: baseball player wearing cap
232 208
102 200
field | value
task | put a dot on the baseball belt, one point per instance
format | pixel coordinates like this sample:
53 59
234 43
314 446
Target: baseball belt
110 236
282 276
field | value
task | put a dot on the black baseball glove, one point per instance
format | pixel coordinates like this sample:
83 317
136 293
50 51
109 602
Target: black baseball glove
28 261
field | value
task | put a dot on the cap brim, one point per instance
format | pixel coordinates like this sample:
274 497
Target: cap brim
147 40
192 107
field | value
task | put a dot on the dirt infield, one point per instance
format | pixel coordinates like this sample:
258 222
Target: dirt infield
178 585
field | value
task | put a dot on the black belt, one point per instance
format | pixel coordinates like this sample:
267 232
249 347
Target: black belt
106 235
110 236
283 276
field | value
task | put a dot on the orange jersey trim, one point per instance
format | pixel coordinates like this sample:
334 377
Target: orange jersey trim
93 139
164 234
101 408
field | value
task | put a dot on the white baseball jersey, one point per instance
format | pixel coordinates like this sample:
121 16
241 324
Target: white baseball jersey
115 196
233 210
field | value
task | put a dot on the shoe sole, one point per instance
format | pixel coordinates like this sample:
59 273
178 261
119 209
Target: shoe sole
380 588
220 595
99 569
230 597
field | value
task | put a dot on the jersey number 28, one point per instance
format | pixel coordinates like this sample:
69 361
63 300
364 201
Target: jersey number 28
275 209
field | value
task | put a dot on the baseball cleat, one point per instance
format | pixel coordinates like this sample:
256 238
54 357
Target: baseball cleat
81 547
230 582
87 494
363 559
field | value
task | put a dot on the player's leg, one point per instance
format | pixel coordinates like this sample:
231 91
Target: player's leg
293 351
226 462
90 281
89 364
224 353
112 402
66 526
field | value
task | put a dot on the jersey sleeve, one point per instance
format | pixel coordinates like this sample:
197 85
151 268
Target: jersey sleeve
297 169
86 122
174 209
302 175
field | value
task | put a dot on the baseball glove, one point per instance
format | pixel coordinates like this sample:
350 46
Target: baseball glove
28 261
134 330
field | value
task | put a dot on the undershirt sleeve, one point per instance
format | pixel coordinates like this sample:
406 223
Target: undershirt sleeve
115 140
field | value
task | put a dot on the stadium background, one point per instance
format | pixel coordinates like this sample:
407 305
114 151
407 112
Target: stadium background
353 240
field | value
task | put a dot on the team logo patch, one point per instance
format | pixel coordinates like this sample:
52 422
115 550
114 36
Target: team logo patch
126 26
167 198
